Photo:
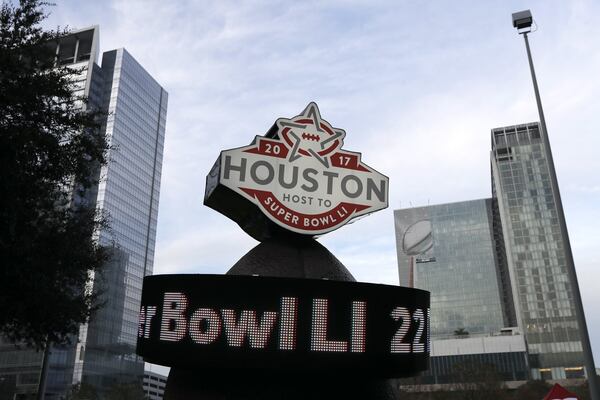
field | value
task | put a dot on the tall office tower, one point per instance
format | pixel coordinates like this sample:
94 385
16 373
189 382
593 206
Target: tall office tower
154 385
128 188
543 290
532 280
450 250
129 192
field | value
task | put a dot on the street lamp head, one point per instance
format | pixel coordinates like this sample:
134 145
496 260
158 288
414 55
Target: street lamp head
522 20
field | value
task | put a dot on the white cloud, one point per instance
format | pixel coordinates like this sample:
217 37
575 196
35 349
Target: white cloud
417 86
207 250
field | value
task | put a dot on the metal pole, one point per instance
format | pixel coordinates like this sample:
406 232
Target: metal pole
585 338
41 394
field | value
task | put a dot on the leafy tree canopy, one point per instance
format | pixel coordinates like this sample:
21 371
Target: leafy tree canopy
83 391
118 391
461 332
126 392
50 153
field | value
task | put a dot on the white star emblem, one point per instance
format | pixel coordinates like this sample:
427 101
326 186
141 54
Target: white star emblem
310 138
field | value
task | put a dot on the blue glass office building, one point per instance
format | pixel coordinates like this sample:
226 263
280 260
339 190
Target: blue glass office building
128 189
506 253
129 192
449 250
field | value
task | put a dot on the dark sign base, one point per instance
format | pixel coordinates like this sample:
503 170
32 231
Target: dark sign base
280 258
305 258
242 385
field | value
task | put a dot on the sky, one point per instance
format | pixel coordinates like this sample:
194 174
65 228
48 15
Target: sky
416 85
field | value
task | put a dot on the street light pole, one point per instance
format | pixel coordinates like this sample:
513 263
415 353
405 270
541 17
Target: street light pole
585 338
41 393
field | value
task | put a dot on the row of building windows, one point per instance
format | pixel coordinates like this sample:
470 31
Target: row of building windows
510 366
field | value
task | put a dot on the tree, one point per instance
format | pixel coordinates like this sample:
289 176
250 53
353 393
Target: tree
478 381
461 332
83 391
51 149
7 387
582 391
534 389
128 391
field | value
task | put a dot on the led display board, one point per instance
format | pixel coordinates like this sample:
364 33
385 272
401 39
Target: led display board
236 322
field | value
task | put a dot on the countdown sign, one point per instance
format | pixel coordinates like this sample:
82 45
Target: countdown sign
298 176
226 321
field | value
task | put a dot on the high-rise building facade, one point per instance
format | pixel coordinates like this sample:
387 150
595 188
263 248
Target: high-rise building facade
129 193
531 281
449 250
135 107
154 385
543 291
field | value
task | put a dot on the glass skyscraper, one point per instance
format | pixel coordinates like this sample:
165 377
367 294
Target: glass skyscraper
543 291
129 191
509 251
135 108
449 250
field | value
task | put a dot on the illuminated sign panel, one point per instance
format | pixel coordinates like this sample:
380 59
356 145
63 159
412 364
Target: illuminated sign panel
216 321
288 186
299 177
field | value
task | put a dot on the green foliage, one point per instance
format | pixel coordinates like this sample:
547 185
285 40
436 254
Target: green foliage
582 391
82 391
50 154
470 381
461 332
487 385
478 381
119 391
126 392
7 387
534 389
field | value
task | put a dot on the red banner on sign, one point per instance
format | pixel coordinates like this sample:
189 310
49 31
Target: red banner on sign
266 147
310 222
276 148
560 393
348 161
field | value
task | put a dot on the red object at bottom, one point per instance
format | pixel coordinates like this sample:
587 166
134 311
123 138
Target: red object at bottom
560 393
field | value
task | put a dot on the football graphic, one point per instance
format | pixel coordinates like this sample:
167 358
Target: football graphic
309 135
